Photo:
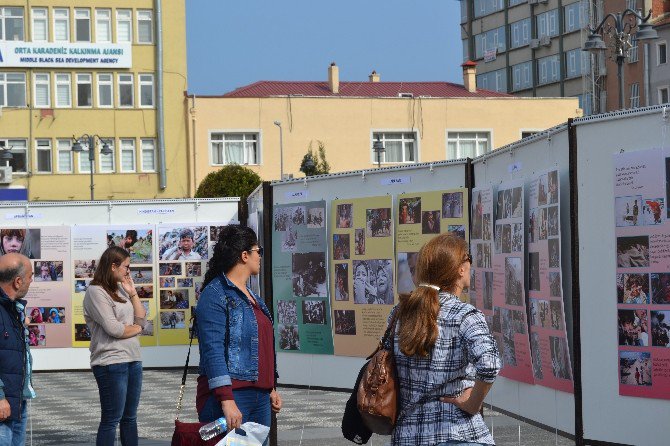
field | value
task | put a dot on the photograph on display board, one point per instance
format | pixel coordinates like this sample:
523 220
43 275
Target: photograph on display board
482 250
635 368
341 247
430 222
287 312
344 215
359 243
345 322
48 271
138 243
342 281
660 288
172 320
309 274
405 269
452 205
316 218
184 243
409 211
21 240
289 337
142 274
373 281
378 222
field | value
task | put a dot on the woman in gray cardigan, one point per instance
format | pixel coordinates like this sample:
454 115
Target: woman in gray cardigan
115 316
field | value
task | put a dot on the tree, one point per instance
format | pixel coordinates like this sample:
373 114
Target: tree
315 164
230 181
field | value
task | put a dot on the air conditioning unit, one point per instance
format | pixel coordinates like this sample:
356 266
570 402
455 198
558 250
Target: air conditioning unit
5 174
534 43
545 41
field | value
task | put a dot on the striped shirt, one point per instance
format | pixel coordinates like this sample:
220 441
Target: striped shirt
464 352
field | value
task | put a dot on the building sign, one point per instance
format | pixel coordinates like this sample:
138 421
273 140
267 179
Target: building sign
70 55
490 55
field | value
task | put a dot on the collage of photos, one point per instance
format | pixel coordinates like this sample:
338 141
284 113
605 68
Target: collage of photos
482 250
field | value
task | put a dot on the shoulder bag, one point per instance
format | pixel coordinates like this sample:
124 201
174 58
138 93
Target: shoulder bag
378 399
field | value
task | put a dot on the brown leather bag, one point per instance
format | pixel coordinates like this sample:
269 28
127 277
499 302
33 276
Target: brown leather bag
378 390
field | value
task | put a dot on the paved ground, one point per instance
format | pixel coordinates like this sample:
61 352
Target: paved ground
67 413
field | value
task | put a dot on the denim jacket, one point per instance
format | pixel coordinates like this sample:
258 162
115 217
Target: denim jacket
228 333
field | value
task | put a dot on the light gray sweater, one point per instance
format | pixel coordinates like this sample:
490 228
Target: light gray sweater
107 320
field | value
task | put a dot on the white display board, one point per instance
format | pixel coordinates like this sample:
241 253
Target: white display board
153 212
341 371
521 161
607 415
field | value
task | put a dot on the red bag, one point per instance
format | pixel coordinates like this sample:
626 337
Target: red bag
186 434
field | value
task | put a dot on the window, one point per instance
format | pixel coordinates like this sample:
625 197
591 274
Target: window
466 49
148 155
127 155
547 23
485 7
661 53
467 144
40 24
105 90
61 25
493 39
84 162
527 134
42 93
106 163
464 11
632 53
126 93
146 90
663 95
574 17
11 24
103 25
548 69
124 25
145 31
234 148
520 32
493 80
82 25
13 89
400 147
18 148
43 155
522 76
63 90
64 156
84 90
577 62
634 95
516 2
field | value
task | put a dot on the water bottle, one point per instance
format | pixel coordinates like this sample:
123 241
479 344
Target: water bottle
211 430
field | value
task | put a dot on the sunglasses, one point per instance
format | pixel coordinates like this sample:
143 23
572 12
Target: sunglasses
468 258
259 249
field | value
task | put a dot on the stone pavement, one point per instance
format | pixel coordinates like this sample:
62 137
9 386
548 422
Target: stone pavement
67 412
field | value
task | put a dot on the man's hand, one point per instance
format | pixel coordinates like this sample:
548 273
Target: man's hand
464 401
232 414
5 410
275 400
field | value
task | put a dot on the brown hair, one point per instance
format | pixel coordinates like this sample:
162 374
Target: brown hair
104 277
437 264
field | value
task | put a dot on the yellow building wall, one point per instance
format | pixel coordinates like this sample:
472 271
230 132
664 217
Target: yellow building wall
345 126
134 123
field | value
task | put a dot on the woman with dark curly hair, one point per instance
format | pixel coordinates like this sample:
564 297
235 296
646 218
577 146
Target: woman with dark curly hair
235 336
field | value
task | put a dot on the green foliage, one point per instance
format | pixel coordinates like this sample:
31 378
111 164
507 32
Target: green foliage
230 181
318 164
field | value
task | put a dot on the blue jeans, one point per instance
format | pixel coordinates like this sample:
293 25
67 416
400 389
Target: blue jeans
119 386
13 433
253 403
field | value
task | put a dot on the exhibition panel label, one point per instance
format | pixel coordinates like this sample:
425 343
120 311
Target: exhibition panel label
641 193
300 290
548 336
362 263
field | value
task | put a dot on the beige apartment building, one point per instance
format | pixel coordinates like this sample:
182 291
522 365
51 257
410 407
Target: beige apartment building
269 124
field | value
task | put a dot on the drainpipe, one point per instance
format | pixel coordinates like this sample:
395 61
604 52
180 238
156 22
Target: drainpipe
193 151
162 176
646 80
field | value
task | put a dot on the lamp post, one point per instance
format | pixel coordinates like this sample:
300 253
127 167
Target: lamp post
378 148
281 150
620 33
90 140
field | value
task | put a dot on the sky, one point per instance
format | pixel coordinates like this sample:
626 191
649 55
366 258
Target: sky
235 43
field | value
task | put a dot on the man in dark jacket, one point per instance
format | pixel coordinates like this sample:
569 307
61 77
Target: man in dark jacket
16 275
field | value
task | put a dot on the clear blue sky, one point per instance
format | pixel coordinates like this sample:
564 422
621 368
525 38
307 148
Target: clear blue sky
232 43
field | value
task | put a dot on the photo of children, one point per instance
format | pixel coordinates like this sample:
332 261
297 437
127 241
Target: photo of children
410 211
193 269
633 327
142 274
635 368
452 205
48 271
49 315
214 233
341 247
378 222
144 291
286 312
166 282
430 222
189 243
373 282
84 269
80 286
171 320
345 216
345 322
359 244
289 338
81 333
37 335
169 269
632 252
23 241
138 243
341 281
309 274
174 299
184 283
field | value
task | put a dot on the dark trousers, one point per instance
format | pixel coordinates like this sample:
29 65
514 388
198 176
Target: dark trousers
119 386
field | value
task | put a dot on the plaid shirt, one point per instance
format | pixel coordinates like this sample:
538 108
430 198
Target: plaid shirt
464 352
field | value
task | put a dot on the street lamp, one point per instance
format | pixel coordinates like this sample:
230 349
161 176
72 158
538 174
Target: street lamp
90 140
620 33
378 148
281 150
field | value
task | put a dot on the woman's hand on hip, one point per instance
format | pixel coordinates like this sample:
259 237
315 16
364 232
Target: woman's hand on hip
232 414
464 401
275 400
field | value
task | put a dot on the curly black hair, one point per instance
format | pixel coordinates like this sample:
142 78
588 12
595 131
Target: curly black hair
232 242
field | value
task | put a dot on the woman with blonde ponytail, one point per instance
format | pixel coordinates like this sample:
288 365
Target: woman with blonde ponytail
446 358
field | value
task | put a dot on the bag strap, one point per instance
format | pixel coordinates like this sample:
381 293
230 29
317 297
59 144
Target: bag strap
188 357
